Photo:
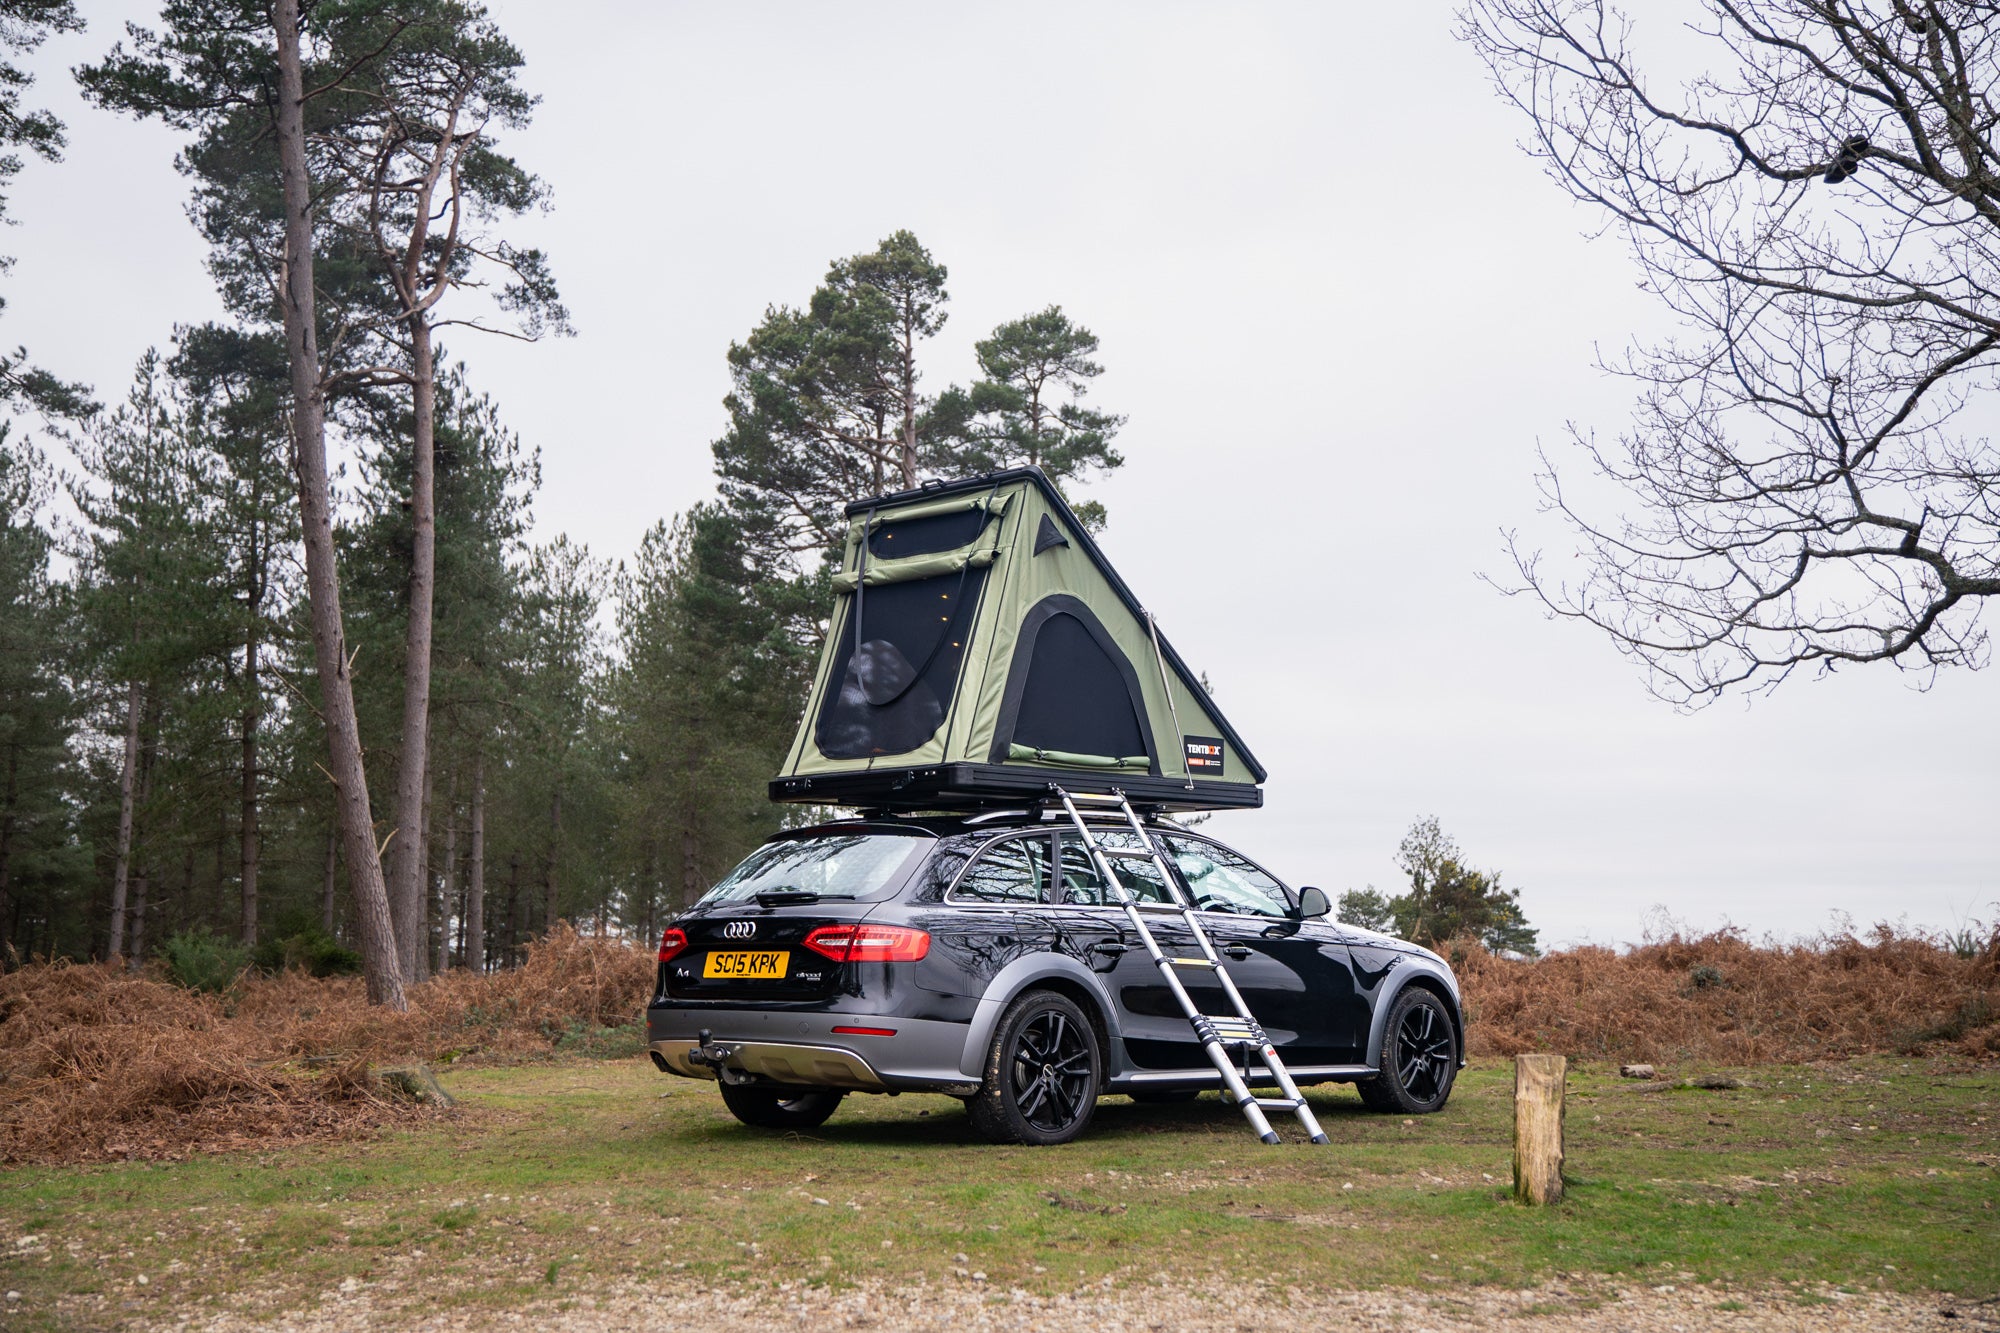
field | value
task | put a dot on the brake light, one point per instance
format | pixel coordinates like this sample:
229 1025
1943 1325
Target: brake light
869 944
673 942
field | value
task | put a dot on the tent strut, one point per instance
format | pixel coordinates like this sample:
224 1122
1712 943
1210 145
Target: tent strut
1154 630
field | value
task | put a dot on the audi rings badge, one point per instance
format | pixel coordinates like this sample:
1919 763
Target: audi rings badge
739 930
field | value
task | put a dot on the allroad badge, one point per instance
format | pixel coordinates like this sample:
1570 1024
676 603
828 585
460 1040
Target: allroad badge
739 930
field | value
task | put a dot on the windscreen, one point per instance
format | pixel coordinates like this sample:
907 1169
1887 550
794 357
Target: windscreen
860 866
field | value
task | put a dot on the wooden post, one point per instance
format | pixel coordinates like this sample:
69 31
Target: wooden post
1538 1128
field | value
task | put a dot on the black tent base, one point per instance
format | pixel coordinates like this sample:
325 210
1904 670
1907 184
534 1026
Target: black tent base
983 786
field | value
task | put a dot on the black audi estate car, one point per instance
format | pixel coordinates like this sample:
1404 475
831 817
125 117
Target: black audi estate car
981 956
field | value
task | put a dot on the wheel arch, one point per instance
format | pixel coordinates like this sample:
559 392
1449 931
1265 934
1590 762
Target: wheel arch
1064 976
1424 978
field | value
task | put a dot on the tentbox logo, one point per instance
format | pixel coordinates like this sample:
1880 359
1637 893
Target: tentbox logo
1204 754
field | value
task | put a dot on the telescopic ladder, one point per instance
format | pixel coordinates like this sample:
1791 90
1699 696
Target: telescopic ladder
1219 1033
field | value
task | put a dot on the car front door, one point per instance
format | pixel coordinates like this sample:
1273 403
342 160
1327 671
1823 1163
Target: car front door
1294 973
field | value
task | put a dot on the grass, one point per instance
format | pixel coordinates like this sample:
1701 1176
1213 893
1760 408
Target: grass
557 1179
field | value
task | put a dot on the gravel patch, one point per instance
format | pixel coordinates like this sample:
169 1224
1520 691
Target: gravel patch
1212 1309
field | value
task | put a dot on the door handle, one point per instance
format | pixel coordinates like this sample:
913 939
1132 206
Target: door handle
1108 946
1237 951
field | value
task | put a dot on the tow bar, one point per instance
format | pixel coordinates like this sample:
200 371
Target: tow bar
715 1055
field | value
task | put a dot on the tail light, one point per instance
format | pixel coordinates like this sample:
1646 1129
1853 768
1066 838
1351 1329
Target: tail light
869 944
673 942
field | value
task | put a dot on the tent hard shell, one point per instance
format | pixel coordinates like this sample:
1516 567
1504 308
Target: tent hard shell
982 648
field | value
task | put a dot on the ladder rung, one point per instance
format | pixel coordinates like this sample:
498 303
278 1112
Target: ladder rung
1133 852
1232 1029
1277 1103
1194 962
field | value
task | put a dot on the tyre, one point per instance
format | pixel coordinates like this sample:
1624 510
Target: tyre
780 1108
1164 1096
1042 1074
1418 1060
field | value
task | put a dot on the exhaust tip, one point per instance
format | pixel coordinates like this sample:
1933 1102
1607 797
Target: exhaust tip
660 1062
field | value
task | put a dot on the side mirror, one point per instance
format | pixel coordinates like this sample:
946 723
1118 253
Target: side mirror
1314 902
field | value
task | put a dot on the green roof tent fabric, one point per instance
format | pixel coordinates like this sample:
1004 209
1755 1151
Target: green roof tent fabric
982 648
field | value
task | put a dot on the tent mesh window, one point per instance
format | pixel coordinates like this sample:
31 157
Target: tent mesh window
1078 694
926 536
897 664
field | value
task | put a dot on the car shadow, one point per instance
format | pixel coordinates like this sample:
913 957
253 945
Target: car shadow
942 1123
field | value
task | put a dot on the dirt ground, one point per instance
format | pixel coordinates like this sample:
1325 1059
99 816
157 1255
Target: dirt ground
1253 1306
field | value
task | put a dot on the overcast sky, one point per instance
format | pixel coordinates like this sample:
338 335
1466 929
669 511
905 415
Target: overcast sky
1340 310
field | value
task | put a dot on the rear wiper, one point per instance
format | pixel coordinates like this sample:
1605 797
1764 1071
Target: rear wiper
796 897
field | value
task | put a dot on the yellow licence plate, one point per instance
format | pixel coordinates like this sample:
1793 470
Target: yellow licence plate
748 965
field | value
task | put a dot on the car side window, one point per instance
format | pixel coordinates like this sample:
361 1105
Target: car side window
1010 871
1222 881
1083 887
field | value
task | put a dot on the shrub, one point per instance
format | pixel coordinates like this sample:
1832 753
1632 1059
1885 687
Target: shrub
312 949
202 961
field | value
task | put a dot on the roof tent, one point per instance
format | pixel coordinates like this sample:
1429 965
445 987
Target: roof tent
982 648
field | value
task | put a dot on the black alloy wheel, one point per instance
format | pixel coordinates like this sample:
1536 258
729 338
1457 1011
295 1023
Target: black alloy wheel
1043 1073
781 1108
1419 1057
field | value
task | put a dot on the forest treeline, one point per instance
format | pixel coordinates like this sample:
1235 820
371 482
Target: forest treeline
375 715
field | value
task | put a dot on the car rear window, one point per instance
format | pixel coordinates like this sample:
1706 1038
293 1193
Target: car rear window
861 866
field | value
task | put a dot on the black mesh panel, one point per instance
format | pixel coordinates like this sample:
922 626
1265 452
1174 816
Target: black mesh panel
1075 698
923 536
892 692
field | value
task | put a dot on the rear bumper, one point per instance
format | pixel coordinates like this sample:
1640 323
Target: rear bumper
804 1050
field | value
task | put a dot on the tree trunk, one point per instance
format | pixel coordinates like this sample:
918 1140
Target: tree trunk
513 904
909 369
475 873
420 970
691 878
7 821
140 881
327 885
128 776
249 816
649 875
449 880
350 782
549 866
407 861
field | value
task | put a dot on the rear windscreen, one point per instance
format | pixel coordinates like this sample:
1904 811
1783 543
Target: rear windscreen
860 866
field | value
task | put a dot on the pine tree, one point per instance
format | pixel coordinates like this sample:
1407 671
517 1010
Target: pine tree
43 863
712 666
343 167
824 404
1028 407
1449 899
150 581
237 380
24 25
557 789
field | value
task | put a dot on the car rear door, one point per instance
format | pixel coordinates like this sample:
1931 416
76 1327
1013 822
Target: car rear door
1157 1034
